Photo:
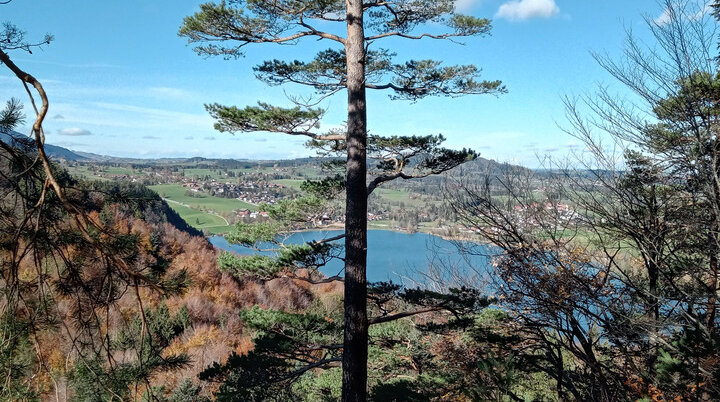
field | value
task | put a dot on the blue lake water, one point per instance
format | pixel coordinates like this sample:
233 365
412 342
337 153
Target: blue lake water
400 257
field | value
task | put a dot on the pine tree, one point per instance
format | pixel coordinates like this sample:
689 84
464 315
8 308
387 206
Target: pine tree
645 234
68 264
225 28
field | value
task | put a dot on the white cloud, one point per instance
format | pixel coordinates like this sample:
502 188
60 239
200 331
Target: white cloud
707 9
664 18
462 6
520 10
71 65
692 12
172 93
149 118
74 132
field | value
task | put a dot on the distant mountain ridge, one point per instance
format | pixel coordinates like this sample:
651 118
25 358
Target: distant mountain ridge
16 139
478 166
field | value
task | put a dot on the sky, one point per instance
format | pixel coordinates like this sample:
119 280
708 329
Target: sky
121 82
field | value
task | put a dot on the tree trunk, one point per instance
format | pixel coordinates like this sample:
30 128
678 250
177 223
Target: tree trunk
560 372
355 346
653 308
714 233
713 288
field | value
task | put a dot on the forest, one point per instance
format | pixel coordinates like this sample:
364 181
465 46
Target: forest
603 266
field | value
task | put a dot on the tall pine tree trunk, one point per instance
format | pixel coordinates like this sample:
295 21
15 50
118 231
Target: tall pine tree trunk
714 241
354 364
653 309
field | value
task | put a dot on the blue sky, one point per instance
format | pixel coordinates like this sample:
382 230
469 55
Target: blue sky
121 82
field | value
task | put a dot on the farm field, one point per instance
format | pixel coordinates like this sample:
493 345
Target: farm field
201 220
200 213
85 171
177 193
398 196
386 194
219 174
290 183
104 169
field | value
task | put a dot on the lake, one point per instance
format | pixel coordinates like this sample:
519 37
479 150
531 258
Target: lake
397 256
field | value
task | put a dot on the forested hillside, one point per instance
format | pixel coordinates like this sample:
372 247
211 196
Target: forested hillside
144 309
143 305
594 276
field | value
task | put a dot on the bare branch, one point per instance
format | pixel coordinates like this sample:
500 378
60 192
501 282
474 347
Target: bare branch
405 314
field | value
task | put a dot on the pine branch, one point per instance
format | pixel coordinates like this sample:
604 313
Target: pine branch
389 177
218 23
413 80
83 222
304 369
325 73
12 115
264 117
417 79
405 314
396 154
13 38
464 26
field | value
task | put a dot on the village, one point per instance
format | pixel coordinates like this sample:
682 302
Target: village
234 194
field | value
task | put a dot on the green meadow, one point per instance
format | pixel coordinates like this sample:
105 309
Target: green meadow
200 220
178 193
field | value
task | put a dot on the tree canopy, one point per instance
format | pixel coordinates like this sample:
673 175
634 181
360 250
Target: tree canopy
352 65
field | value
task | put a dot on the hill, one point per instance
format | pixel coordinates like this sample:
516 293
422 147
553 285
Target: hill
16 139
131 306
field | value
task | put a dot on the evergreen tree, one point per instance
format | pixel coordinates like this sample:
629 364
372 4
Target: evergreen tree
296 355
225 29
69 261
620 299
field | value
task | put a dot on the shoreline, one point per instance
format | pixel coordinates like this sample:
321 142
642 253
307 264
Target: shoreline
338 227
